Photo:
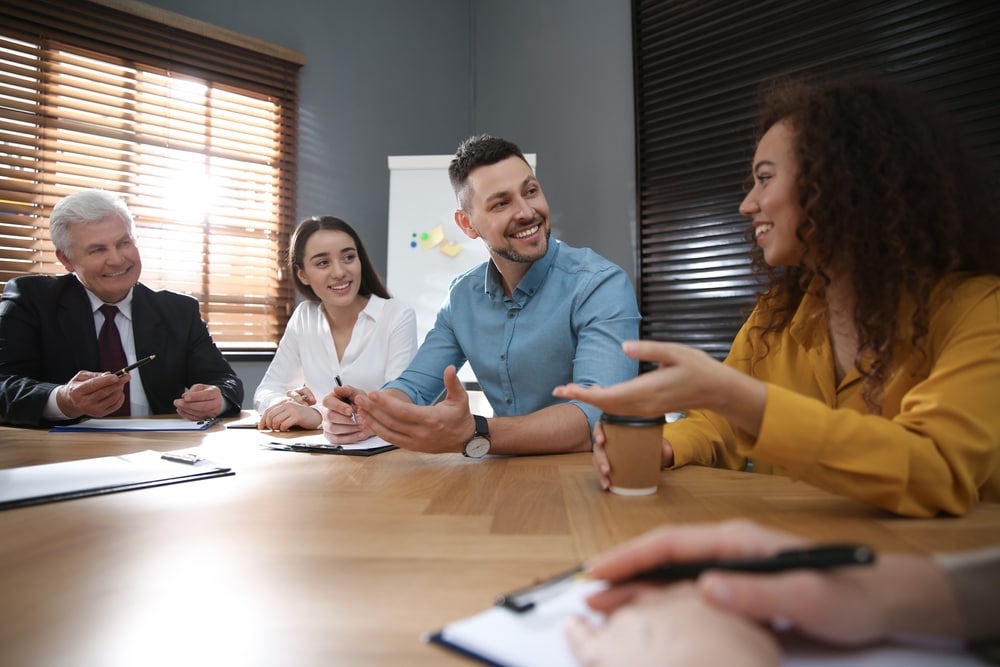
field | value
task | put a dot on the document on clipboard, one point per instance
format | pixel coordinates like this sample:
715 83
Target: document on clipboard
504 637
121 424
50 482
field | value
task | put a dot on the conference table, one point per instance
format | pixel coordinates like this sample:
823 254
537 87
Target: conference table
315 559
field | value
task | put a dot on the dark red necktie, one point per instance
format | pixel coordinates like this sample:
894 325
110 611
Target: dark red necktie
112 354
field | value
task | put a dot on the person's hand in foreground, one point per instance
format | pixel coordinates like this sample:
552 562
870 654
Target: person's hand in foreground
849 606
673 626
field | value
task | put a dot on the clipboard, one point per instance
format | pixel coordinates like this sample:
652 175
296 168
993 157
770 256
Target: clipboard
51 482
135 424
535 637
318 445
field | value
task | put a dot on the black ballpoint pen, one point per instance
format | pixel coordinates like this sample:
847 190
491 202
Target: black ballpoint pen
816 558
145 360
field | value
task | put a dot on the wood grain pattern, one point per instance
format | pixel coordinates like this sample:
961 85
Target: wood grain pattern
312 559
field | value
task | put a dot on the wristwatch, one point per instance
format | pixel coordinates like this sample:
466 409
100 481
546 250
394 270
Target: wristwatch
478 445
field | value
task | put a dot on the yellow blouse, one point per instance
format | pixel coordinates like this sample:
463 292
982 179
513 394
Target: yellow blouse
936 445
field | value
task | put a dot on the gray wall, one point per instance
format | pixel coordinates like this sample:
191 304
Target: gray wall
401 77
555 76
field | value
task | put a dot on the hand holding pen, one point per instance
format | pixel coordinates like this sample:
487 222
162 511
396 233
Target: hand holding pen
302 395
91 394
341 425
346 399
825 557
838 605
671 546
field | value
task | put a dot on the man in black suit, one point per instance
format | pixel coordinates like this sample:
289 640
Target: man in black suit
49 331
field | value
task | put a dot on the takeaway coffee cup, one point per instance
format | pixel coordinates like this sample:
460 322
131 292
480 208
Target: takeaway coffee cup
634 448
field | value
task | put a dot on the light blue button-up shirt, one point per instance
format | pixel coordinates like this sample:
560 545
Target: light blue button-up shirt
565 322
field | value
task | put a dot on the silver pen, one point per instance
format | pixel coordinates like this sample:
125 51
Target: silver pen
354 417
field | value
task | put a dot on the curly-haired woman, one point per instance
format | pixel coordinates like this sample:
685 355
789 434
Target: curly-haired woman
870 365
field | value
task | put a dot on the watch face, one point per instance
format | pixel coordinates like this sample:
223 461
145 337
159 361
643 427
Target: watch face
477 448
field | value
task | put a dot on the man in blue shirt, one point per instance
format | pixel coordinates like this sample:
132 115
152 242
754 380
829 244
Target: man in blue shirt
537 315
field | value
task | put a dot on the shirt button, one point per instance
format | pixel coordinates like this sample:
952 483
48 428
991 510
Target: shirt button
510 314
509 401
502 357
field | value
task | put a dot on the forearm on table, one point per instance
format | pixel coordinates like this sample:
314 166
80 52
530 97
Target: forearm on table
553 430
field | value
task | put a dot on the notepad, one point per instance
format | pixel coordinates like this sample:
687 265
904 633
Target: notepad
136 424
501 637
34 485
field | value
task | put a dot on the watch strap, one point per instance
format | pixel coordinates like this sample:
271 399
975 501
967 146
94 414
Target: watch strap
482 427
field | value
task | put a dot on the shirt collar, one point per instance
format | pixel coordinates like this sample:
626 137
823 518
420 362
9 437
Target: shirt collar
532 280
808 325
373 308
124 306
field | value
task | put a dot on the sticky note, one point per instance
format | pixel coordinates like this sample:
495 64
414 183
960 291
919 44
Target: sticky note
432 238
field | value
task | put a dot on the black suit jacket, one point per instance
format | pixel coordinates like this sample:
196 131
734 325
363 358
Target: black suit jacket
47 335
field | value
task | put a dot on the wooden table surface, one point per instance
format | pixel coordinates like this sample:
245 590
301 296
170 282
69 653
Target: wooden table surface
313 559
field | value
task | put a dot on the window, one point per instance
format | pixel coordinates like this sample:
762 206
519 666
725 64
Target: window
198 137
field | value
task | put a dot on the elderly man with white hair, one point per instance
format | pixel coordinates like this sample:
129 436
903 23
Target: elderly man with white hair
63 337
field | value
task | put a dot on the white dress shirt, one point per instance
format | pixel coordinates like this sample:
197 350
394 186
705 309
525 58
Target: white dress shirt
383 342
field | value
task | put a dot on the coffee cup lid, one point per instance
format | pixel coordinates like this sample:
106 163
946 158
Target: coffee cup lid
625 420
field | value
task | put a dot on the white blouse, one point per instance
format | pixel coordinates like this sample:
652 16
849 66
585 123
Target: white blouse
382 344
